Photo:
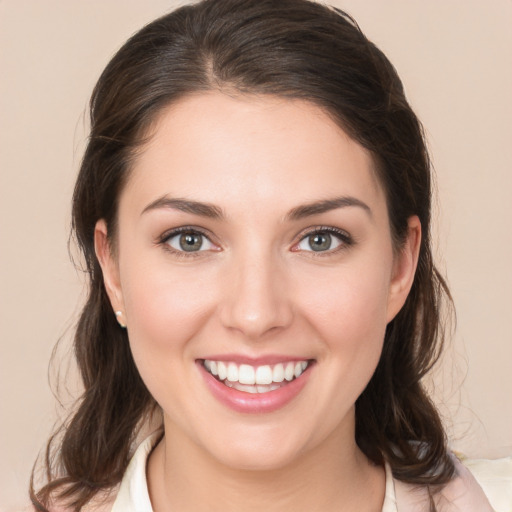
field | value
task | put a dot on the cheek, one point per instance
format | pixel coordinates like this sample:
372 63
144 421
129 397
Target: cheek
351 302
356 334
348 311
165 308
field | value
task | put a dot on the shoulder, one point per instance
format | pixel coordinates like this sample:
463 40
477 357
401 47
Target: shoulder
130 495
479 486
495 478
102 507
95 505
102 501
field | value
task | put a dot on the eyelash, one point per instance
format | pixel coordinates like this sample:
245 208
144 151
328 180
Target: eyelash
343 237
193 230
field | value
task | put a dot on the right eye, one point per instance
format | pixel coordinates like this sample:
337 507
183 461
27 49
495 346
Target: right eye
189 241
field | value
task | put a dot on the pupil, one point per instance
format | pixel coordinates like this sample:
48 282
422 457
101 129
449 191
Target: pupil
320 241
190 242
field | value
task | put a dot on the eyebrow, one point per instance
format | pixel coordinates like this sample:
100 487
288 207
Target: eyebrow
187 206
326 205
214 212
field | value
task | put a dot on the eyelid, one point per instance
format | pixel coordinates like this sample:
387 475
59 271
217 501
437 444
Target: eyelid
346 240
164 238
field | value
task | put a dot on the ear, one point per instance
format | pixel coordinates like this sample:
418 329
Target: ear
109 266
404 268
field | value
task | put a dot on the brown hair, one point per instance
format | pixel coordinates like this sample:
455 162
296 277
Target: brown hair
292 49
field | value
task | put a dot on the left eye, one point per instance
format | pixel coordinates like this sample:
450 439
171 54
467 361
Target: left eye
190 241
320 241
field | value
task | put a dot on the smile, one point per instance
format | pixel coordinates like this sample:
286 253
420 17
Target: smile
255 379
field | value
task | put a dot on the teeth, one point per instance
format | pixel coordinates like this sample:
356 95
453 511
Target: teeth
246 374
232 372
266 389
263 375
278 373
222 370
289 371
241 387
250 379
251 389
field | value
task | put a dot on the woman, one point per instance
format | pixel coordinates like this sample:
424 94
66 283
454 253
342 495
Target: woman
254 209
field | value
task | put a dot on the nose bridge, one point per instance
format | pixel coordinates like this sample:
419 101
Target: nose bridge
257 301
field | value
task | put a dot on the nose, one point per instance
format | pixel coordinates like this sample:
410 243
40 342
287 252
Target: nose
256 300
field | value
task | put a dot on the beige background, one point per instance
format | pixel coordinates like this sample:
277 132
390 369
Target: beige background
455 59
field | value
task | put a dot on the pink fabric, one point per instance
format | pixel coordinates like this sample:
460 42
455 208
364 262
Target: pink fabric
462 494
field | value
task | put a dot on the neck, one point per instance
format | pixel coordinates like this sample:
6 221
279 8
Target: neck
333 477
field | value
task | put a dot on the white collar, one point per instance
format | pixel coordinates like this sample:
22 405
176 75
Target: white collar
133 494
462 493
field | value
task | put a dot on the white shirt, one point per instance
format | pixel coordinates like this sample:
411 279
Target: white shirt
463 494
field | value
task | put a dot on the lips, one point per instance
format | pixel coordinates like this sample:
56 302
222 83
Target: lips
255 379
255 388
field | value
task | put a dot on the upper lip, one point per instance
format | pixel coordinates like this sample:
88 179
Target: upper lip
269 359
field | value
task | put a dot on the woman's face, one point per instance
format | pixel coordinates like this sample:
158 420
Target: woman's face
254 242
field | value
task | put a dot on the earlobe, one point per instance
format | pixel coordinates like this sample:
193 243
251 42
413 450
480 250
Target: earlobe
404 268
109 265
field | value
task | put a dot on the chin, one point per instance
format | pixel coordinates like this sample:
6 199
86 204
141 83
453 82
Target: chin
261 451
256 460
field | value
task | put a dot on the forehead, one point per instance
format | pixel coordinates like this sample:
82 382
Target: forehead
258 149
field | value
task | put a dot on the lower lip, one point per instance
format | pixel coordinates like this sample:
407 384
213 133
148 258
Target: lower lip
254 403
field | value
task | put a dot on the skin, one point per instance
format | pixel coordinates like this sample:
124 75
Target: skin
256 289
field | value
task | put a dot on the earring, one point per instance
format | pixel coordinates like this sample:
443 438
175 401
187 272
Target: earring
119 314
